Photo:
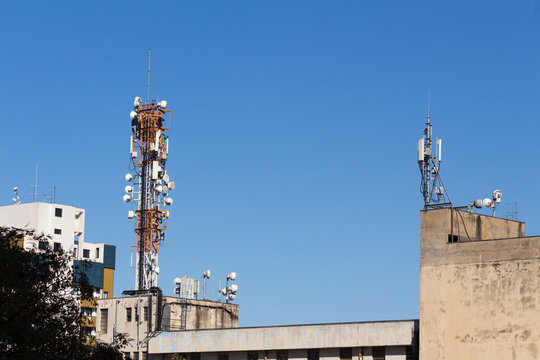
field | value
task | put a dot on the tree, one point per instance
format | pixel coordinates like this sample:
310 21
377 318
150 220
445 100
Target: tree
39 302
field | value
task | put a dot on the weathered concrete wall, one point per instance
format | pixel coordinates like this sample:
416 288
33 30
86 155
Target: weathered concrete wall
201 314
478 299
358 353
319 336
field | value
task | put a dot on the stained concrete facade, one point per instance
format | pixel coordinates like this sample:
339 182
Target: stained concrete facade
137 316
479 288
390 339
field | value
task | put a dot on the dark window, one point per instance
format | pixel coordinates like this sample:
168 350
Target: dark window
196 356
252 356
58 231
136 355
345 353
97 253
86 253
223 357
43 245
58 212
313 354
378 353
128 314
74 252
410 354
103 321
76 239
282 355
145 313
57 246
453 238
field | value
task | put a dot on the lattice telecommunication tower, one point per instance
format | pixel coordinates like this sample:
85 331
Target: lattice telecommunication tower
431 186
149 148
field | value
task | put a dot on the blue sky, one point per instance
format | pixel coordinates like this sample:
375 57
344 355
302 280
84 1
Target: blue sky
293 140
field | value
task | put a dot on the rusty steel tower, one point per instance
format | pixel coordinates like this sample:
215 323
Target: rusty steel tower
150 185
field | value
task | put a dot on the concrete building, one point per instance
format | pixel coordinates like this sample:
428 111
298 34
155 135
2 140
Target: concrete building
479 299
63 225
479 287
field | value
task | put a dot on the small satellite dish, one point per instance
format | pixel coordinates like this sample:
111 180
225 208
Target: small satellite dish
15 189
163 104
128 189
206 274
231 297
168 201
133 115
128 177
224 291
134 154
131 214
171 185
478 203
127 198
159 188
165 189
137 101
487 202
231 276
233 288
177 281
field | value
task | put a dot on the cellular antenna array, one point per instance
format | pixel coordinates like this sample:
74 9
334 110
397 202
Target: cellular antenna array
149 149
429 162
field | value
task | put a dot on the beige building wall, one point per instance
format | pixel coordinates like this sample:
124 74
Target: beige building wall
479 288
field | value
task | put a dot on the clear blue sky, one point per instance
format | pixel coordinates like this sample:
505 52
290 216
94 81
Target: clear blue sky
294 130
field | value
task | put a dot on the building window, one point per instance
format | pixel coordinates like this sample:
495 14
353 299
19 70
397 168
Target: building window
97 253
252 356
282 355
76 239
195 356
105 295
128 314
75 252
313 354
103 321
379 353
43 245
58 212
58 231
145 313
86 253
57 246
345 354
223 356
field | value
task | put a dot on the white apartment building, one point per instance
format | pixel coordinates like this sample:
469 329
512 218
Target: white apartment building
64 227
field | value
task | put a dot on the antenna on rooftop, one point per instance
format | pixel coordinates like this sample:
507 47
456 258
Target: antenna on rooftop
429 162
16 199
35 186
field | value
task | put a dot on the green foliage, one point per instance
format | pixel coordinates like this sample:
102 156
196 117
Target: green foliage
39 297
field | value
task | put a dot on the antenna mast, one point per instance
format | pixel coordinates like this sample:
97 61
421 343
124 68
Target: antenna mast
429 162
148 83
149 148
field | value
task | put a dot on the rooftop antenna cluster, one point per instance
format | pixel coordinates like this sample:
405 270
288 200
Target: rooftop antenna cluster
429 162
487 202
